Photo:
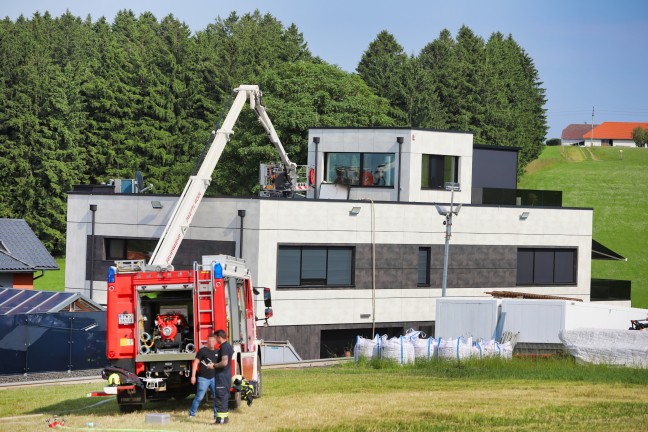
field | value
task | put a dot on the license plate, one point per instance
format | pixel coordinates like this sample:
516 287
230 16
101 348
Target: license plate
126 319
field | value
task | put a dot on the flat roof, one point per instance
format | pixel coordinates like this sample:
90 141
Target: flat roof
255 197
389 128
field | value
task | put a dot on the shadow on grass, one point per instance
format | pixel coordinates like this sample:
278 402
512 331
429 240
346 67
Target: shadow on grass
108 406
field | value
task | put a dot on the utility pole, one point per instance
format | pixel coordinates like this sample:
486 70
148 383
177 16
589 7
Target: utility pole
592 136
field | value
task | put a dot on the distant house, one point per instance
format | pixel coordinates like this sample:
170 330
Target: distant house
573 134
618 134
21 255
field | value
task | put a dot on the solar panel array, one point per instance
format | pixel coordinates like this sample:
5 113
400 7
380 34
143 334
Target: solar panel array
20 301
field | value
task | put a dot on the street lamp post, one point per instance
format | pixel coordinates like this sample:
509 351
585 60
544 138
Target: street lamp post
452 187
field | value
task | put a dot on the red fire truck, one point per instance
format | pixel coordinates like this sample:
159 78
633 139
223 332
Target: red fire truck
159 317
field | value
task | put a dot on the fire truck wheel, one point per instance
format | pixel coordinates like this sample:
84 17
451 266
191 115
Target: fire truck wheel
259 379
235 402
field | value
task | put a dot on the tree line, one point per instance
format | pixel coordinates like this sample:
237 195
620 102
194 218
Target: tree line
84 101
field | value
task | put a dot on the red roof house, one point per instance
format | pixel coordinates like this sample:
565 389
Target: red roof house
573 134
613 134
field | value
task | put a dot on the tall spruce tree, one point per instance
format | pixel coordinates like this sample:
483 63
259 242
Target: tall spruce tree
383 67
439 61
422 104
491 89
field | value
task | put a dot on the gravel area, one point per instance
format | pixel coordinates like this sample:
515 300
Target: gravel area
49 376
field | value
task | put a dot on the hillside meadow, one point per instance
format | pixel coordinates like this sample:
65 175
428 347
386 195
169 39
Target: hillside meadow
614 182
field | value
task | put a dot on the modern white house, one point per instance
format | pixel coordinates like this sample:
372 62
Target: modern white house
364 250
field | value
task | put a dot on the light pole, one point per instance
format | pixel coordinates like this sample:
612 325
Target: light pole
448 223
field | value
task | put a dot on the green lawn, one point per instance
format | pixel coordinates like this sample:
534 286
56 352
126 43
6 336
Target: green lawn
615 185
53 280
518 395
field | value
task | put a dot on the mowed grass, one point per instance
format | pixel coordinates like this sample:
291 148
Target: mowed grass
614 182
53 280
494 395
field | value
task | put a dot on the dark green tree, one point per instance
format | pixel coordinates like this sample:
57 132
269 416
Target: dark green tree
421 101
383 67
640 136
439 62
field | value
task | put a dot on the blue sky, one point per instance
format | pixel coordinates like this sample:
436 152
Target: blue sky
588 54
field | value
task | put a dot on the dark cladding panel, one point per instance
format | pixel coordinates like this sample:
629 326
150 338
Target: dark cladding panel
494 168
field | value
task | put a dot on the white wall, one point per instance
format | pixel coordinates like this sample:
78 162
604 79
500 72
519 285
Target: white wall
615 143
270 222
415 143
475 318
330 223
541 321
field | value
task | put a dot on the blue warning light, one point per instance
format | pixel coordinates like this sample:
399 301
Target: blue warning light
218 271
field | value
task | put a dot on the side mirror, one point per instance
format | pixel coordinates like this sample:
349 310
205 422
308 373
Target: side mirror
267 301
267 298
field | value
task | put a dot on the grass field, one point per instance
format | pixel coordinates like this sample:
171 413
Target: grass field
54 280
522 394
614 182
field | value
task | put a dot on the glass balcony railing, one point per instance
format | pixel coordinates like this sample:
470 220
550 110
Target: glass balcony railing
610 290
521 197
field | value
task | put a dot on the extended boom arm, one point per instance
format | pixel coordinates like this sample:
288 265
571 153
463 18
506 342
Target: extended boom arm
194 191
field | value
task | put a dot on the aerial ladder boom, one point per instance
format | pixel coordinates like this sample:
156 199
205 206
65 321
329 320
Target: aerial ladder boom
194 191
262 115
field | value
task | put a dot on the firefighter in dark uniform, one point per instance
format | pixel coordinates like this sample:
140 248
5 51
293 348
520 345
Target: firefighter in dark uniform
203 365
223 377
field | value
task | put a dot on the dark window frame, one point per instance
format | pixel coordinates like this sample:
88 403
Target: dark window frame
125 249
361 168
427 266
317 283
536 254
432 157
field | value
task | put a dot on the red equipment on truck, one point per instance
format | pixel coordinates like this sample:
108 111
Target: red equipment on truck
159 317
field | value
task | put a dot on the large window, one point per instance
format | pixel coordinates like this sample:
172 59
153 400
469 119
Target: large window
546 266
314 266
361 169
424 266
129 249
437 170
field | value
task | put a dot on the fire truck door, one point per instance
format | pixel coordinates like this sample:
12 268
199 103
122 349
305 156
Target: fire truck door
235 316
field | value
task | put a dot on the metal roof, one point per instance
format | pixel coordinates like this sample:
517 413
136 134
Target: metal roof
21 250
576 131
614 130
21 301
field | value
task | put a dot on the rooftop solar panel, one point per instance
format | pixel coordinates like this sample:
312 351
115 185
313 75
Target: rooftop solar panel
20 301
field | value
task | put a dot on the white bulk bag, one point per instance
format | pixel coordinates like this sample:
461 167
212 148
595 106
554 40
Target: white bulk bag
397 349
454 349
366 348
